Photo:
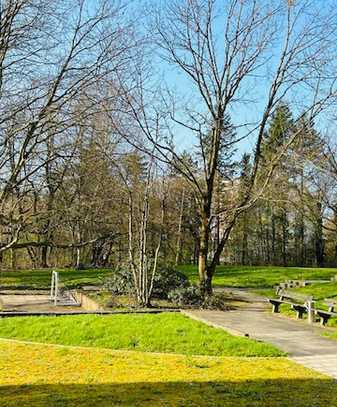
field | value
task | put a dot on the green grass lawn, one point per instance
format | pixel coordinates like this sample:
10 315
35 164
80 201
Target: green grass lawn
48 376
320 292
166 332
125 302
40 279
209 367
259 277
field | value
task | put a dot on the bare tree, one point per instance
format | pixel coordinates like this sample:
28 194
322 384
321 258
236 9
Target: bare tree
53 55
143 252
241 59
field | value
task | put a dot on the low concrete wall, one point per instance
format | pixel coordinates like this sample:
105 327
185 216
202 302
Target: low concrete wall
86 302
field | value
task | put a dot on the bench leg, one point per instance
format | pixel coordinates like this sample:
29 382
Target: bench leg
276 308
299 315
323 321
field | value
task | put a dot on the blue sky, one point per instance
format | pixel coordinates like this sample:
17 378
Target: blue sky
256 87
244 111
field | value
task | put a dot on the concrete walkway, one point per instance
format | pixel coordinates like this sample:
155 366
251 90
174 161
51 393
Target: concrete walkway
300 340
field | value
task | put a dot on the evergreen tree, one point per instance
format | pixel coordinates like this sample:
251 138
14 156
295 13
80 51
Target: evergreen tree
279 132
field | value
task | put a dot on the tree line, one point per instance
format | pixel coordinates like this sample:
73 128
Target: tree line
105 162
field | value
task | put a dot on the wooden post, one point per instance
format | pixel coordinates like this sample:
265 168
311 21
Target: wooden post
52 286
56 286
310 310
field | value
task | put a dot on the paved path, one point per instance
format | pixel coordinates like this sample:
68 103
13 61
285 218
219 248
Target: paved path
301 341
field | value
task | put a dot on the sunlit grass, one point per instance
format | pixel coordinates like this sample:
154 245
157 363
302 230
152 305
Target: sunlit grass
259 277
45 376
167 332
41 279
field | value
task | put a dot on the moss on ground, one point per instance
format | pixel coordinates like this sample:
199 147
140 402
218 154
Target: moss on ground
42 375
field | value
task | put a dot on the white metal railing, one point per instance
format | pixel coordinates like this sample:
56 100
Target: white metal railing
54 288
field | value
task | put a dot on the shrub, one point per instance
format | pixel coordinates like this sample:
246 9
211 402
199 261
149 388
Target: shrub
81 266
217 301
166 280
191 297
120 282
186 296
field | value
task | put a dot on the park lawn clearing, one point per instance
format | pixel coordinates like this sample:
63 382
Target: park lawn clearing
165 332
48 375
228 276
259 277
41 279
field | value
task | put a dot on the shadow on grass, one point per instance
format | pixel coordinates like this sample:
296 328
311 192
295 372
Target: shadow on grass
259 393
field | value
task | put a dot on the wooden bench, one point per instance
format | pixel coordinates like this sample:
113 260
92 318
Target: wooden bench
324 316
300 310
292 284
303 304
298 302
276 304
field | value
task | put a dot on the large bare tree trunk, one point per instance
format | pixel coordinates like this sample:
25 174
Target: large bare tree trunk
203 253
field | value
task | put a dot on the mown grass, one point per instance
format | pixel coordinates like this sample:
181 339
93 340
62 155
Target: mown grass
40 279
259 277
45 376
320 292
166 332
125 302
